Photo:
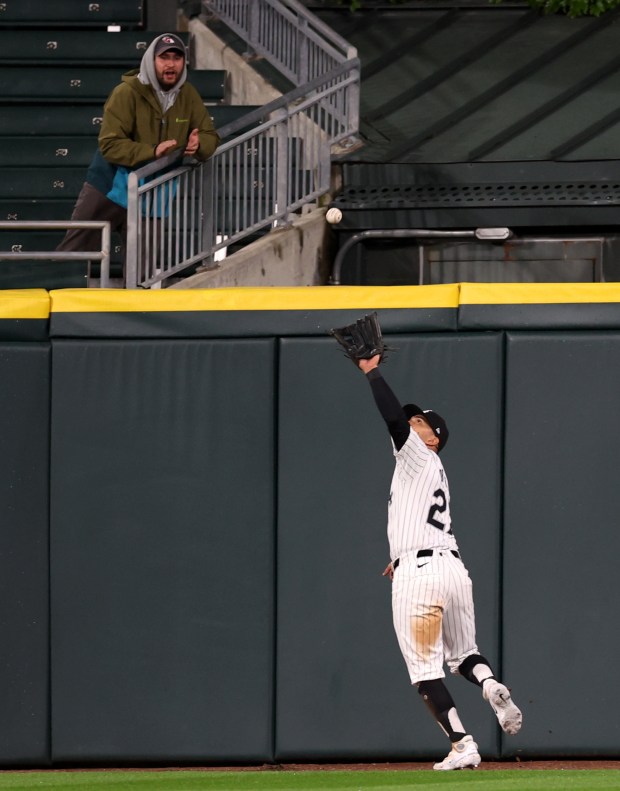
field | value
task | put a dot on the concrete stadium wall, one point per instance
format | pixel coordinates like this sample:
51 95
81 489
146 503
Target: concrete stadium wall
193 502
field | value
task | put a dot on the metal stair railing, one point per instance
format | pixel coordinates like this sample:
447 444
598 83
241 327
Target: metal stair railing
275 161
286 35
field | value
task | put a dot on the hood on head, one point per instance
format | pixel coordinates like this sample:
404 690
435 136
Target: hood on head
147 75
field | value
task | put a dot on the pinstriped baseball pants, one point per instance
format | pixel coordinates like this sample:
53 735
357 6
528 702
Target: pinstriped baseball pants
433 612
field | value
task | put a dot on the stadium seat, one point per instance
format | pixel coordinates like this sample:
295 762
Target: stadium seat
35 182
83 119
86 83
61 47
48 151
51 119
32 209
29 241
71 13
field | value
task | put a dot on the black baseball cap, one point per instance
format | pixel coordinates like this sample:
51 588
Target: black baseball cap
435 421
169 41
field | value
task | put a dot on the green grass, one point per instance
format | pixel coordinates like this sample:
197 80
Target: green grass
481 780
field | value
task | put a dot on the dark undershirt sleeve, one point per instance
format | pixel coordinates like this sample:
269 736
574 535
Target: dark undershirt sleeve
389 407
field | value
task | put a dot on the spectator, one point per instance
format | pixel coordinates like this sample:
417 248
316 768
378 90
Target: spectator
153 112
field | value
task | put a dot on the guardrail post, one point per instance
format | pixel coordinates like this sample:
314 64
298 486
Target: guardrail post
253 12
303 71
207 204
353 102
134 252
282 169
106 244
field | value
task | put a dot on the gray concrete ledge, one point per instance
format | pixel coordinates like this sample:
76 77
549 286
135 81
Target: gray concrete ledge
298 255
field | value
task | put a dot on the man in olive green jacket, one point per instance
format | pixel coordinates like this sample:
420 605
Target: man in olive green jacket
153 112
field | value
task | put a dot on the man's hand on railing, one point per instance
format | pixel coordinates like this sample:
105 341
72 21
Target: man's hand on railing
193 143
165 147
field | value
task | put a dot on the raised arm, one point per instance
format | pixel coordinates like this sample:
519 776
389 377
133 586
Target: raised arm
387 403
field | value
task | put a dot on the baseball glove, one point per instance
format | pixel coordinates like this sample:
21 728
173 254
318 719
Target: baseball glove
361 340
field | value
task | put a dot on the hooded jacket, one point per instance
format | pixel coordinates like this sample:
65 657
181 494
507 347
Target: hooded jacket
135 122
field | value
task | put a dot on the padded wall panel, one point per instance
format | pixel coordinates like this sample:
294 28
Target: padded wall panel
24 580
342 687
24 314
162 532
539 306
562 544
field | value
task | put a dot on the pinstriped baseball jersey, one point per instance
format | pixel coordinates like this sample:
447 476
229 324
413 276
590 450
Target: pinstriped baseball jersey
419 504
432 605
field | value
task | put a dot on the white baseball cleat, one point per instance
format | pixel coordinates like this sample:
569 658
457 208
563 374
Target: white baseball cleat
463 755
508 715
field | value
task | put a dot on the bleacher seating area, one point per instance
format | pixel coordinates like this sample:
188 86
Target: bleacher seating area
59 62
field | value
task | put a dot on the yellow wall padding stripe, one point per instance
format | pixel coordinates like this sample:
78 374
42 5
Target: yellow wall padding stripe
37 303
271 298
24 304
538 293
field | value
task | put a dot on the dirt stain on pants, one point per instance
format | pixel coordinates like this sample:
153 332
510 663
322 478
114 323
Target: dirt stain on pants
425 631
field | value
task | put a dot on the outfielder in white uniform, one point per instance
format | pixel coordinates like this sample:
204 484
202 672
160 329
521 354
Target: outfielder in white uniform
432 602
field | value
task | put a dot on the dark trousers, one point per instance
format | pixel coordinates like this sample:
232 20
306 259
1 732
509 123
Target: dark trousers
93 205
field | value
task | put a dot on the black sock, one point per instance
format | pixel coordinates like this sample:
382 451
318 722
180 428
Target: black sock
439 701
469 664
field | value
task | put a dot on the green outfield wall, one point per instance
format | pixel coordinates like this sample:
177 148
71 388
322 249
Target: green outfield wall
193 503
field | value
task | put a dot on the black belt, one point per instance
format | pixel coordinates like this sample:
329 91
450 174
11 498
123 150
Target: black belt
426 553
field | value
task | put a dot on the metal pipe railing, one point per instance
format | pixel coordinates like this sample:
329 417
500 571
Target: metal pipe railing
490 234
102 255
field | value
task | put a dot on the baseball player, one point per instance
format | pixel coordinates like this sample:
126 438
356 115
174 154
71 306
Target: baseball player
432 602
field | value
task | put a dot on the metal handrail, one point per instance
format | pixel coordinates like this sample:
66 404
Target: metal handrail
343 72
102 255
306 46
489 234
481 234
186 216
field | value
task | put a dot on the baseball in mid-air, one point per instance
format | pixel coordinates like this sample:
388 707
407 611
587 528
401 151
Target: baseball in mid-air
333 215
